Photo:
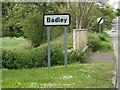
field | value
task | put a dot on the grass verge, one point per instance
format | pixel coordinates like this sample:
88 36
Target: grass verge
95 75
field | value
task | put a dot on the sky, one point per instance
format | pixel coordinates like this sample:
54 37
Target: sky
114 3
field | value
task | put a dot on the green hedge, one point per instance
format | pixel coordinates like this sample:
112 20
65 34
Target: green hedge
18 58
22 58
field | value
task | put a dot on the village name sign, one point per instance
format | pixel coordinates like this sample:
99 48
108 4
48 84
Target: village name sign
57 20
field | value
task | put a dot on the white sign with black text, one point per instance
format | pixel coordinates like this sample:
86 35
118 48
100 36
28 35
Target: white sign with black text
56 20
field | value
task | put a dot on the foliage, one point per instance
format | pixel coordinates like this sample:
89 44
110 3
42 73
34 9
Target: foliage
34 29
11 18
104 11
80 12
26 19
108 11
74 56
118 12
100 42
108 14
22 57
94 41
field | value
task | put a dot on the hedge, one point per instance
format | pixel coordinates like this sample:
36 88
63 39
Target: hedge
18 58
22 58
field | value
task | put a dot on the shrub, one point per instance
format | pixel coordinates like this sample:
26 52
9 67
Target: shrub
100 42
74 56
94 41
28 57
57 56
22 58
106 46
104 37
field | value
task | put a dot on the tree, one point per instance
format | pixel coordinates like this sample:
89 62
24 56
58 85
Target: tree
26 19
10 20
81 12
33 22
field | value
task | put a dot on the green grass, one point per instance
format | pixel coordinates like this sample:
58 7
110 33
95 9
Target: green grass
13 42
95 75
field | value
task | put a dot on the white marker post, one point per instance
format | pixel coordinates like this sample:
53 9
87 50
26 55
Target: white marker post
57 20
100 20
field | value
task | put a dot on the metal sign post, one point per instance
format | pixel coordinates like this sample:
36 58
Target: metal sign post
48 32
65 46
99 28
57 20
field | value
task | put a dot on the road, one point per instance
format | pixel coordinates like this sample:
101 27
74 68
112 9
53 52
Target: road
115 39
118 55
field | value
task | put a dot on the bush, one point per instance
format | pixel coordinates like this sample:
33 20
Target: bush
100 42
94 41
106 46
57 56
104 37
74 56
23 57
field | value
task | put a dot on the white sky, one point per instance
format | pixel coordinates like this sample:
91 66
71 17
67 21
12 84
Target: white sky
114 3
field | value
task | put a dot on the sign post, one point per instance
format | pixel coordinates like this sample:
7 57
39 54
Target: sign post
99 28
57 20
65 46
48 32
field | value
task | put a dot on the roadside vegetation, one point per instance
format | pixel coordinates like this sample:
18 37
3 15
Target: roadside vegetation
27 57
26 19
95 75
100 42
24 46
84 75
17 52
